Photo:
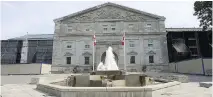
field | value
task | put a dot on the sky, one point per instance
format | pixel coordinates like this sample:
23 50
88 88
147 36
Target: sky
36 17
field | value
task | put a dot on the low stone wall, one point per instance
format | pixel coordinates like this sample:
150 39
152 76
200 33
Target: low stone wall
208 66
193 66
69 69
20 69
157 68
45 68
34 68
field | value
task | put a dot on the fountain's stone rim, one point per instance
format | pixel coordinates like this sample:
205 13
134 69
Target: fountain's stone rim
145 88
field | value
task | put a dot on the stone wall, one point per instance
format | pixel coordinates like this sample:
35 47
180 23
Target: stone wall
35 68
193 66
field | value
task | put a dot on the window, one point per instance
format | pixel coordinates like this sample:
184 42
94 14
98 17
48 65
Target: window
105 29
132 45
148 25
87 29
86 61
150 45
151 59
69 46
69 28
113 29
130 25
132 60
68 60
87 46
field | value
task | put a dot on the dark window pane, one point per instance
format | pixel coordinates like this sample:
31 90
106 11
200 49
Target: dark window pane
132 59
151 59
68 60
69 46
86 60
150 45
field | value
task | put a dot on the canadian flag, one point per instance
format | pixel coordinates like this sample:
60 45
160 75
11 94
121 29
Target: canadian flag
123 41
94 39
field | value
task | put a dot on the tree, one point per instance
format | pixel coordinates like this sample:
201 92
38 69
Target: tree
203 9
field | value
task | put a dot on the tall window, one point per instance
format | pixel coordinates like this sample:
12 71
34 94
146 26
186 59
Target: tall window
86 60
132 60
68 60
151 59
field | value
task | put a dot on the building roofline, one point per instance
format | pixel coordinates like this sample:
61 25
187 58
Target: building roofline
185 29
109 4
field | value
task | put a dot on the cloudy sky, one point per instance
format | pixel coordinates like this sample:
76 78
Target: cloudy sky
18 18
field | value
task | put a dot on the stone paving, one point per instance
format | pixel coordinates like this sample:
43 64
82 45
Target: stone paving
20 90
14 87
188 90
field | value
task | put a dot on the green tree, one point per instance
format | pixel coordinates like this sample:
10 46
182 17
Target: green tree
203 9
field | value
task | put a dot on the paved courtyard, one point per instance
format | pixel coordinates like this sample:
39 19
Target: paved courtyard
17 86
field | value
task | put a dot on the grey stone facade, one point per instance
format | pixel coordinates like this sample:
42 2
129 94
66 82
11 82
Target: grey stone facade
145 37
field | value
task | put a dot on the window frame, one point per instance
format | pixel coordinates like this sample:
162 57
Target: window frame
148 25
131 45
130 25
150 45
87 29
132 59
68 60
151 56
105 29
86 60
69 46
113 28
86 46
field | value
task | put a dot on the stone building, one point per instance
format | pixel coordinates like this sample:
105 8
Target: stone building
71 45
146 42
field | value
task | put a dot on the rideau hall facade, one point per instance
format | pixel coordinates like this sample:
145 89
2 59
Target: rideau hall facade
145 43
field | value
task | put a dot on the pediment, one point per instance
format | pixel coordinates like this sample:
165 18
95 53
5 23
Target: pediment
132 53
151 52
109 11
68 54
86 54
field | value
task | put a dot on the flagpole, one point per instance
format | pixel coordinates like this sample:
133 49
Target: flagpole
93 55
93 58
125 53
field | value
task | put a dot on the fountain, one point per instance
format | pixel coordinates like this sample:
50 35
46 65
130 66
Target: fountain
107 81
110 63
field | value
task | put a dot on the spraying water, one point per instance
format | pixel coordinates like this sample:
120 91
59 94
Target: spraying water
110 63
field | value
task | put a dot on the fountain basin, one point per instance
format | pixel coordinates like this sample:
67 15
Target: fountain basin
145 91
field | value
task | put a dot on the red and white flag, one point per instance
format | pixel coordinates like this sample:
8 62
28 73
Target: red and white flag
123 41
94 39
